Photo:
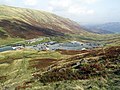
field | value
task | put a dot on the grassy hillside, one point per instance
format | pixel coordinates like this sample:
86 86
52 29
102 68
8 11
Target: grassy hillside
28 23
67 70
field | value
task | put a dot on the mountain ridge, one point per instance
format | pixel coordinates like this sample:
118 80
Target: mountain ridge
39 19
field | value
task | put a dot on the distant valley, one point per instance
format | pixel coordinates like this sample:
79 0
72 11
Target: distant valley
107 28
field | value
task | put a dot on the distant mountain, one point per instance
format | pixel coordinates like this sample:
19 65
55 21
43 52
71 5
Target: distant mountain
107 28
96 30
113 27
28 23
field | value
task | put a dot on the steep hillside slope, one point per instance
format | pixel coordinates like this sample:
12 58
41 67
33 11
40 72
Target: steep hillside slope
27 23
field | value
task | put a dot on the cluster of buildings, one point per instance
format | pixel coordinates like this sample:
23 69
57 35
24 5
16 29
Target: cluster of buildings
73 45
53 45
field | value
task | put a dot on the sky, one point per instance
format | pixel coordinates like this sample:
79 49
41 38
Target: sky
82 11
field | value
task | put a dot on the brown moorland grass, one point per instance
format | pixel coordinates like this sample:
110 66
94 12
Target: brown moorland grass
42 63
72 52
99 68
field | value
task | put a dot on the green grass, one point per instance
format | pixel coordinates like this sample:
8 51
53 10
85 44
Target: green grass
45 39
1 30
9 41
3 33
14 65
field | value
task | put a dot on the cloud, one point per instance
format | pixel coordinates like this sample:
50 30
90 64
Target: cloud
30 2
79 10
50 9
90 12
61 3
8 1
71 7
89 1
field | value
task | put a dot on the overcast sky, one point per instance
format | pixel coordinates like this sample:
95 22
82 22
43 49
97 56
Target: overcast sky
84 11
